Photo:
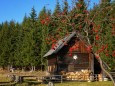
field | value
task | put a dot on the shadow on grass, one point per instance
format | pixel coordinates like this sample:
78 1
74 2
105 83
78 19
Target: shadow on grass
31 82
7 83
27 82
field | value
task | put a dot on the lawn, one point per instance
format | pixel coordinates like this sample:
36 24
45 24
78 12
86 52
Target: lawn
83 84
107 83
4 80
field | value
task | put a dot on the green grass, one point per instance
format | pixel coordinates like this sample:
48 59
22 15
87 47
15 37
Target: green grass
108 83
4 78
5 81
35 83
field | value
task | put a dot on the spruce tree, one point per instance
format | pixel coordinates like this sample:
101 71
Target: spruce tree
33 17
65 7
4 45
57 9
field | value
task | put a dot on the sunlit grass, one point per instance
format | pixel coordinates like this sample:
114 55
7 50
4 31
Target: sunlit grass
107 83
4 78
33 82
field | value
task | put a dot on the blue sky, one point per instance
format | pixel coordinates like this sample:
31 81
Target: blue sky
16 9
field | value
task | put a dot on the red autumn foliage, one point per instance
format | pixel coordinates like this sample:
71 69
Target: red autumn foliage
86 11
113 54
70 54
53 46
113 31
107 54
95 30
70 49
79 5
97 37
103 47
43 22
97 56
80 27
89 48
53 41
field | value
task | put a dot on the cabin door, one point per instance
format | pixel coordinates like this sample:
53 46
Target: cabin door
97 68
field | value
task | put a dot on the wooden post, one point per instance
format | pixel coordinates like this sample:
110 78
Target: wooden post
92 63
12 77
18 79
61 78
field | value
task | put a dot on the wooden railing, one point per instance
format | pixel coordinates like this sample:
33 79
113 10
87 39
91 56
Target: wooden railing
62 78
113 75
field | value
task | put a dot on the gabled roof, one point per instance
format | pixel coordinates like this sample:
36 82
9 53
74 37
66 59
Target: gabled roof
60 44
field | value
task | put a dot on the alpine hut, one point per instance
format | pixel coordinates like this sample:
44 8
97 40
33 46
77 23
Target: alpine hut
70 57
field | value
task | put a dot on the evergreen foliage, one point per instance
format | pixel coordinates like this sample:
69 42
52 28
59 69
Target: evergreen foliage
23 45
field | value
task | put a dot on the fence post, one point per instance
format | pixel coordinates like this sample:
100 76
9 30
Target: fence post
61 78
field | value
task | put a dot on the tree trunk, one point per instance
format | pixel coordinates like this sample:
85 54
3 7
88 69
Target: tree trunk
34 68
22 69
9 68
101 65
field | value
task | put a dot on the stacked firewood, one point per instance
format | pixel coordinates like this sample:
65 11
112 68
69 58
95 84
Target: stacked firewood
100 77
78 75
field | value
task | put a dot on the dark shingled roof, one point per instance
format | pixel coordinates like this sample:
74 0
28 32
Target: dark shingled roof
60 44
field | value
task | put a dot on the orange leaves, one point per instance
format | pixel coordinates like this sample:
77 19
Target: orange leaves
42 22
102 49
59 29
97 37
53 46
53 41
89 48
86 11
95 30
64 21
97 56
113 53
70 54
70 49
73 48
45 21
80 27
79 5
113 31
107 54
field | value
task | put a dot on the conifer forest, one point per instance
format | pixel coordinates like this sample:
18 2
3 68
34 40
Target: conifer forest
23 45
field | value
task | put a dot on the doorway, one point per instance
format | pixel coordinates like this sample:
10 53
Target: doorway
97 68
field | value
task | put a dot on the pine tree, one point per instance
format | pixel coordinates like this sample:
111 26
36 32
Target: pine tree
4 45
33 17
57 9
43 21
65 7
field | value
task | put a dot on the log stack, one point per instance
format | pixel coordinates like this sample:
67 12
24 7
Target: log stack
77 75
100 77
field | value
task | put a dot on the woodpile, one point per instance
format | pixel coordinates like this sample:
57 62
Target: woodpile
100 77
78 75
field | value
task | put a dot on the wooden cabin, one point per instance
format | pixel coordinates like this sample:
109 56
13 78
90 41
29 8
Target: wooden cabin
71 57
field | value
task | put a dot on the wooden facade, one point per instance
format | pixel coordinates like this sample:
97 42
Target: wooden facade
64 61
